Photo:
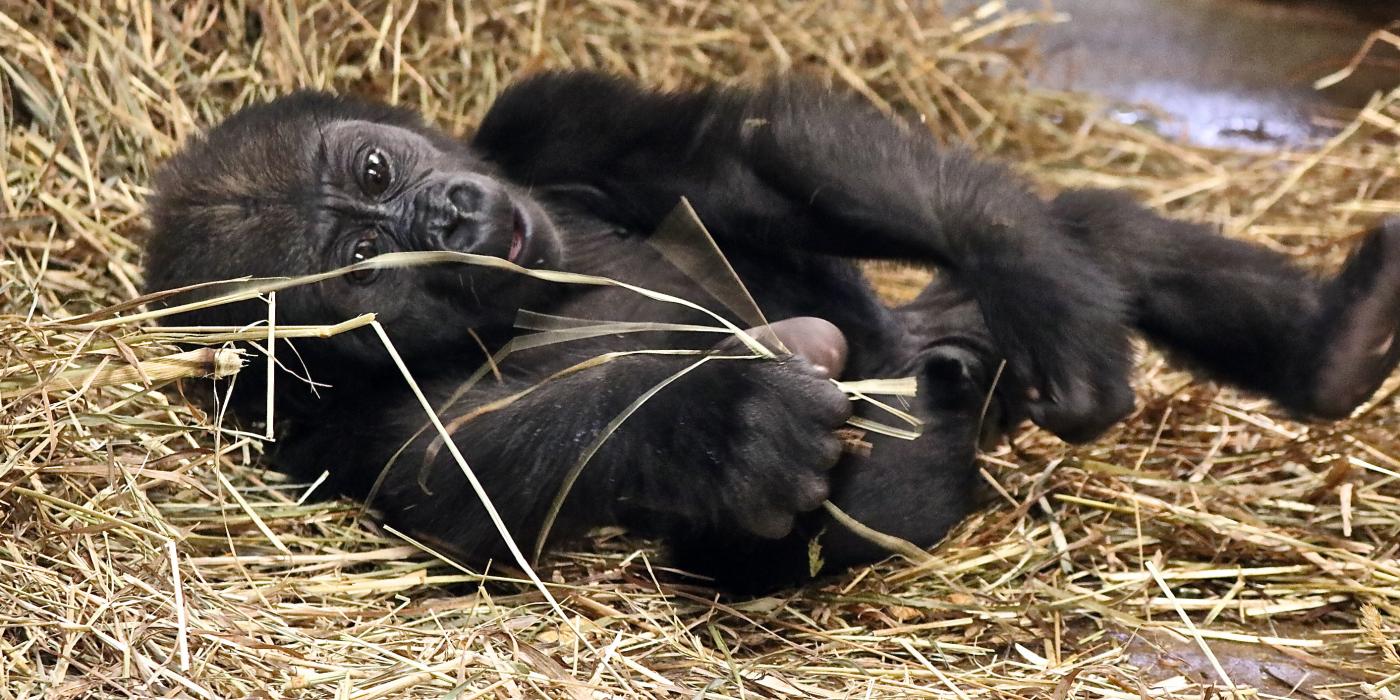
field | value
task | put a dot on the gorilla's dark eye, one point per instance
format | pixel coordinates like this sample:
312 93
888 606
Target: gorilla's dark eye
375 173
364 249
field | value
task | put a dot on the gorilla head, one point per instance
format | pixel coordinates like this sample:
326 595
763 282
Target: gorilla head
312 182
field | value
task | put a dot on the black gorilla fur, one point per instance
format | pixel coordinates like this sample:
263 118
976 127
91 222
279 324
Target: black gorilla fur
731 462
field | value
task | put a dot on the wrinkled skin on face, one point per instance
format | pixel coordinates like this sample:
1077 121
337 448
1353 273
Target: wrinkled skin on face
386 189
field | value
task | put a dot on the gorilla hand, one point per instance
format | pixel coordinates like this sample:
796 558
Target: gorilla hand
777 457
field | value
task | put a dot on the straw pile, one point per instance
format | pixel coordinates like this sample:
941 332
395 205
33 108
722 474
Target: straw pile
1208 543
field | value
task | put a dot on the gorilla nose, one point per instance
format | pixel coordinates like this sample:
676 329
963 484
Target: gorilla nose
466 214
466 197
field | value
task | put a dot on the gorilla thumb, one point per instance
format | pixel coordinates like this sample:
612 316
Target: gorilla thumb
815 340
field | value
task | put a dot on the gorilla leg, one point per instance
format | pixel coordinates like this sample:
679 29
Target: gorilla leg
914 489
917 489
1245 314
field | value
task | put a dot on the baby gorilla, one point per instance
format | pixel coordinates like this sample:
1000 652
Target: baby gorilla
731 460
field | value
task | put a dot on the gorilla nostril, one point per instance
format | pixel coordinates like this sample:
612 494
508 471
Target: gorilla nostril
466 199
456 214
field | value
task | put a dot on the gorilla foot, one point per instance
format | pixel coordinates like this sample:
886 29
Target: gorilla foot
1360 349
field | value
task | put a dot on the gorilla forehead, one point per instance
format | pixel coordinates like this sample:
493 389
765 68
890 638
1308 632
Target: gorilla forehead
254 177
268 151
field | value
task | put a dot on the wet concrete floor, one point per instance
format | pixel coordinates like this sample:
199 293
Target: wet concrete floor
1236 73
1170 661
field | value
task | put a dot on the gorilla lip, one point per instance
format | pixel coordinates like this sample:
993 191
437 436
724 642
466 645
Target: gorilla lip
518 231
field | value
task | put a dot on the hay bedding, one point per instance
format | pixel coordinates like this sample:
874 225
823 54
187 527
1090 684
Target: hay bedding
1209 544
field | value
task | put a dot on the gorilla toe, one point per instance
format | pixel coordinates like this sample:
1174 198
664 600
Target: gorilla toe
1360 348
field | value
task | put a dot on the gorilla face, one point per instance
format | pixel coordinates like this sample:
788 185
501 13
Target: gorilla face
386 189
309 183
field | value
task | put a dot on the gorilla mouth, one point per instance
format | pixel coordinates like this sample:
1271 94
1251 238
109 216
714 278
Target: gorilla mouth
518 232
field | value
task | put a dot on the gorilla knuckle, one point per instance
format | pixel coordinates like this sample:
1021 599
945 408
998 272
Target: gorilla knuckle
769 523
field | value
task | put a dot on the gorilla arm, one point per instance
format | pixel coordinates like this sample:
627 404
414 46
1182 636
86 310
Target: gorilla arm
735 447
790 167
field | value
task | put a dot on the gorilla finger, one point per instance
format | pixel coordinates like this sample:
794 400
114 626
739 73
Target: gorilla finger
822 402
1119 401
758 455
817 342
808 492
824 452
817 456
1081 414
830 407
768 523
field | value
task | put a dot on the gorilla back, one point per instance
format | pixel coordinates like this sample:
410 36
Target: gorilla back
730 460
